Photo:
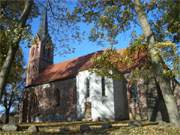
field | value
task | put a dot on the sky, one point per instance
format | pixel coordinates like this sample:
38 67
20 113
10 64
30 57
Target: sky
81 48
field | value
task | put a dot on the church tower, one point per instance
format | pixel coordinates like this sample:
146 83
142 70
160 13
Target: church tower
41 51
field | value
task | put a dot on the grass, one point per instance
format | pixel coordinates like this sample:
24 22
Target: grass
119 128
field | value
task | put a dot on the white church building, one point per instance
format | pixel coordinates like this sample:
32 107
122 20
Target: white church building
69 90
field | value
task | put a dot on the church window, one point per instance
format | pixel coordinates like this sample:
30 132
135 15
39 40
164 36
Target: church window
32 51
34 68
48 53
57 94
134 92
87 87
44 51
103 86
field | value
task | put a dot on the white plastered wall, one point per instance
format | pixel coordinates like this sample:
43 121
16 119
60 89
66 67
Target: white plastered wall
101 106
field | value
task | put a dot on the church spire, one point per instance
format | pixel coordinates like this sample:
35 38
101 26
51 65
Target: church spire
43 30
41 51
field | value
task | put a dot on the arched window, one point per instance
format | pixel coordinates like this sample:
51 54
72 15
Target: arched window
87 87
48 53
134 92
32 52
34 68
103 86
57 94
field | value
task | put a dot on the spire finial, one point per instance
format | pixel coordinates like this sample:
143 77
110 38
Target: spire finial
43 30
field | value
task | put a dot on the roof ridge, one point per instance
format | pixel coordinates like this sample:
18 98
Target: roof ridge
77 57
70 68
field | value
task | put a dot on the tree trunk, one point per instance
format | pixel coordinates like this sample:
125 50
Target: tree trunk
13 48
163 81
160 105
6 68
6 116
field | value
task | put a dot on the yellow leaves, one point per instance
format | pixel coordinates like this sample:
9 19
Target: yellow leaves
115 27
112 8
166 48
125 60
154 130
165 44
168 52
118 60
103 19
167 73
155 54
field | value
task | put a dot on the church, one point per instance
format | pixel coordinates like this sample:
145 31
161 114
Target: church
68 90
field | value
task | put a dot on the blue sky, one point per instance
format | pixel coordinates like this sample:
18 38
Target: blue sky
85 46
81 48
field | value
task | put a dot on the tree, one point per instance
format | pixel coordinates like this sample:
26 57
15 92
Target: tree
14 84
12 98
111 17
163 81
168 24
14 44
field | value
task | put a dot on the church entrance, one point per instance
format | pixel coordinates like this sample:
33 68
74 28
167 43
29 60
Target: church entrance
87 114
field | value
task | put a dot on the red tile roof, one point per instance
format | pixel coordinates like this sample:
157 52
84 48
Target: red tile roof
72 67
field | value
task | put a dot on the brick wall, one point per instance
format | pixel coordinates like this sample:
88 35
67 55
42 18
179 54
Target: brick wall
50 102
